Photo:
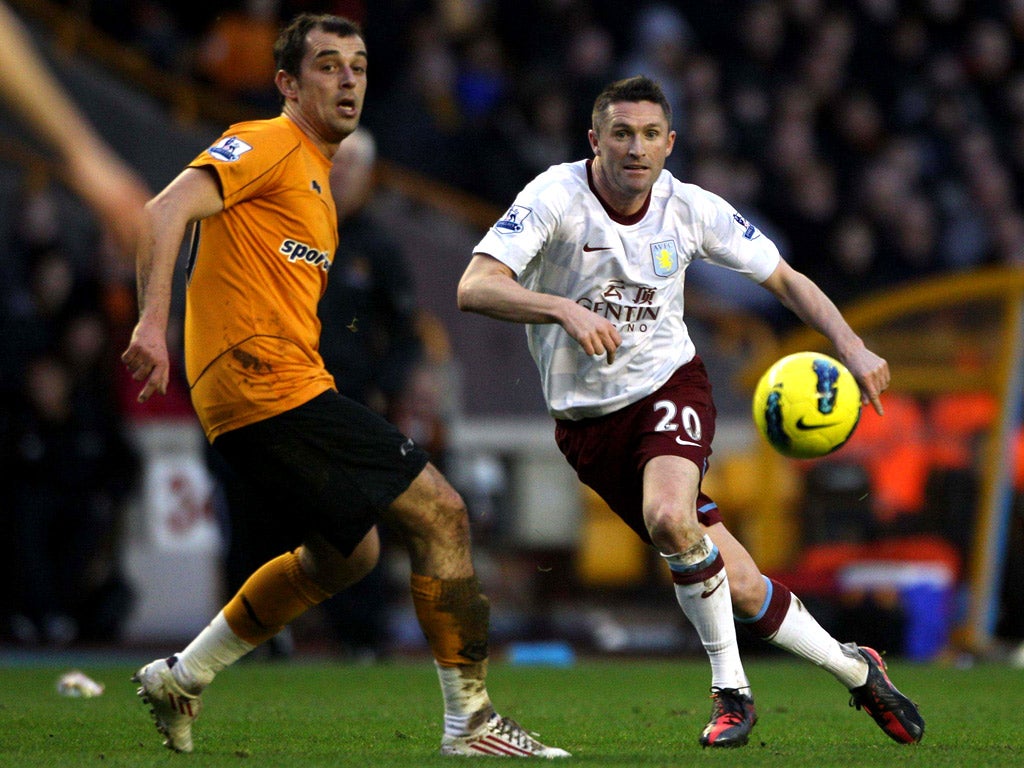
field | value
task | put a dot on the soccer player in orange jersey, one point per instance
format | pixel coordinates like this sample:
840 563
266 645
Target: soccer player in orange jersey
264 231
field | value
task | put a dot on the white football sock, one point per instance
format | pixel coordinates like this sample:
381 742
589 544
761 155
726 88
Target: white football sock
801 634
466 702
708 606
213 649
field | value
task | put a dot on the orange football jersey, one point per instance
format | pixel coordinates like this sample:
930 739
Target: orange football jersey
255 274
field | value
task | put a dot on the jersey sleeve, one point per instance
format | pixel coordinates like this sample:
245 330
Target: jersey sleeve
521 234
246 159
732 242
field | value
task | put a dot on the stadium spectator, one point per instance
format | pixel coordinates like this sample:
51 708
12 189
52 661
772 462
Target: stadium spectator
610 238
65 524
661 49
867 75
234 53
267 232
64 582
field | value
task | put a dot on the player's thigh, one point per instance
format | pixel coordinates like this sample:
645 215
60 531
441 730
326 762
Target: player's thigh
671 481
670 487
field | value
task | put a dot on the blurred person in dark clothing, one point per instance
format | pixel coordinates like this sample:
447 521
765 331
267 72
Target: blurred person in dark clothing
369 339
32 313
369 342
70 470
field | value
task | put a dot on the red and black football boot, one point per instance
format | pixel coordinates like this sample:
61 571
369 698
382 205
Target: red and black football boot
732 718
895 713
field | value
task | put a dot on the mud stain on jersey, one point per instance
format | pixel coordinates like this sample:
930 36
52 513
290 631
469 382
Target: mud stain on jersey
251 362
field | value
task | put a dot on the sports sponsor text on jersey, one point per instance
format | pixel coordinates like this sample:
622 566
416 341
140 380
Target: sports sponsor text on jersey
628 306
296 251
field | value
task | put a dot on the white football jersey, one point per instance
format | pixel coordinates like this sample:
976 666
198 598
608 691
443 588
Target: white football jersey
560 239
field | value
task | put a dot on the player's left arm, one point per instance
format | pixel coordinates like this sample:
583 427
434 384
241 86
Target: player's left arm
806 300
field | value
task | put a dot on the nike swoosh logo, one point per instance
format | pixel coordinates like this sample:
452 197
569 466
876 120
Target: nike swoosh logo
709 592
588 248
801 424
686 442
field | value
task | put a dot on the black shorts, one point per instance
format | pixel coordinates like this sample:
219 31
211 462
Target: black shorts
329 466
609 452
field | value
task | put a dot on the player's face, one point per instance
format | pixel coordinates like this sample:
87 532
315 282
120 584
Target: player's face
326 100
630 148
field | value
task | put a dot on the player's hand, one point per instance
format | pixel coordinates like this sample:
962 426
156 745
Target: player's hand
594 333
147 359
872 374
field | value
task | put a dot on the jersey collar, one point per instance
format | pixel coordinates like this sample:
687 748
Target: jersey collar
618 218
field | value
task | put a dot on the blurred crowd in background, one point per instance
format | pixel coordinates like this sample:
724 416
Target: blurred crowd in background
876 141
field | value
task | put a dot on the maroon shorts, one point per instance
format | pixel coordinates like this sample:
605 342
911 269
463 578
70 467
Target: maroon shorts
609 453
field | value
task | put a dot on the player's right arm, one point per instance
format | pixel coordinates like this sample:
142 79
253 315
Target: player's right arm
489 287
195 194
113 190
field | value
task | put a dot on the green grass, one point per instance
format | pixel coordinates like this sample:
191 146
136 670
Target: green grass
607 712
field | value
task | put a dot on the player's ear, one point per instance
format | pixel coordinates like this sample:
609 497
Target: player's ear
286 83
671 142
592 138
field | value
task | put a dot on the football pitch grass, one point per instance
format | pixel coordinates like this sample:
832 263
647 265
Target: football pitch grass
607 712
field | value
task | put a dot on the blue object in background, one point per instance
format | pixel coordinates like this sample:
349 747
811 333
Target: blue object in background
551 654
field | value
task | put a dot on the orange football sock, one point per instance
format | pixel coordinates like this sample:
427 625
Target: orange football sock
274 596
454 617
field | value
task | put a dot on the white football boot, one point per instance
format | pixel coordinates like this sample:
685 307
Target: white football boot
499 737
172 708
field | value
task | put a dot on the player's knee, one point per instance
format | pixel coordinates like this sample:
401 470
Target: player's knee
672 528
332 571
450 513
431 508
365 556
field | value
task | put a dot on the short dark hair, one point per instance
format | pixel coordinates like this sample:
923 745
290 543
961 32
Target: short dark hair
290 46
633 89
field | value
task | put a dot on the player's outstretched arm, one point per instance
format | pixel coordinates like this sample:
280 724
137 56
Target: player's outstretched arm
489 287
806 300
193 195
114 192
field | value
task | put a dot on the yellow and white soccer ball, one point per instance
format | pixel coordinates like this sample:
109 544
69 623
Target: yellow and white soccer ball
807 405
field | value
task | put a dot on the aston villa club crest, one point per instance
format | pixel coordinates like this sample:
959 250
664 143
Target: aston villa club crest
665 257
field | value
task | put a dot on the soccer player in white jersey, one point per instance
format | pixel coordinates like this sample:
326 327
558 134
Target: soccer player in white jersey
591 258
